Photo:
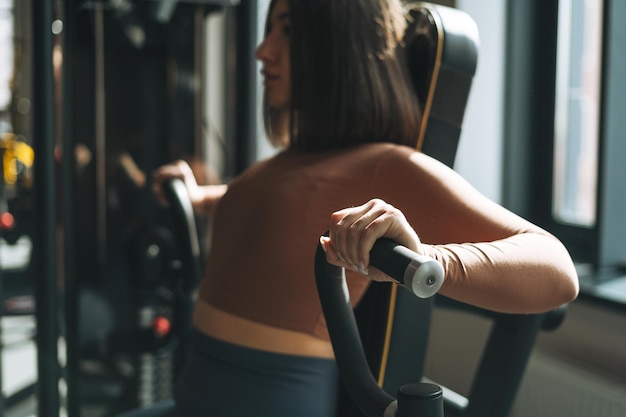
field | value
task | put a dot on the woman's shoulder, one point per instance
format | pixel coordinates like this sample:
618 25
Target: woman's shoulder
403 166
377 152
384 148
382 156
391 156
394 152
385 159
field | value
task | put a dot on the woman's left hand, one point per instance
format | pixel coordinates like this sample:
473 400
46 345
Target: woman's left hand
353 231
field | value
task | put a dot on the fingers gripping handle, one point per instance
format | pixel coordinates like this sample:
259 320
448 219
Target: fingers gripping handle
421 275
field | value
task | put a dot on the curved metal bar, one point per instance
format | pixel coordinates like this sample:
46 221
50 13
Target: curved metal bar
351 361
186 232
423 276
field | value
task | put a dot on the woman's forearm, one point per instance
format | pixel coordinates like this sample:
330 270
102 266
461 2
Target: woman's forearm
525 273
211 195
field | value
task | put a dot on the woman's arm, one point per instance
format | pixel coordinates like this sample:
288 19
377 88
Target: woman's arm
204 198
492 258
525 273
210 196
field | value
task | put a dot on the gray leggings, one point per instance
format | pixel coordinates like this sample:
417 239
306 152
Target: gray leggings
225 380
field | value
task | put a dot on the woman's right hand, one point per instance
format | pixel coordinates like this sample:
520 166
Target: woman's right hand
354 230
178 169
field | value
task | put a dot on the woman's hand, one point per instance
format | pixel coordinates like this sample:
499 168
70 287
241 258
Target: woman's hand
353 231
178 169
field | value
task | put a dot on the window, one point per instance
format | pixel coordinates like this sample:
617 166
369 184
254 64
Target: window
577 111
565 127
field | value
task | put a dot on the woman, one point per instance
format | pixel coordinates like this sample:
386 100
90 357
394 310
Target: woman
338 102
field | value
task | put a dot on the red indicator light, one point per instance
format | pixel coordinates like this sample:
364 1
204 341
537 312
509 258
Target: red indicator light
161 326
6 220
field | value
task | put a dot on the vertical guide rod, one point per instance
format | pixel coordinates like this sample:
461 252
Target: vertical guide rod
71 372
100 133
46 212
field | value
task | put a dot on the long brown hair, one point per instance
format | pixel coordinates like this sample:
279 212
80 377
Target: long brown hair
349 81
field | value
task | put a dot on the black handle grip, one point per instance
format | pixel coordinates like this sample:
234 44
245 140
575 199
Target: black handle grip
361 385
422 275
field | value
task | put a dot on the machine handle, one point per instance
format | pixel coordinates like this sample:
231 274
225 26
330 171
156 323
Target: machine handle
421 275
186 232
400 263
